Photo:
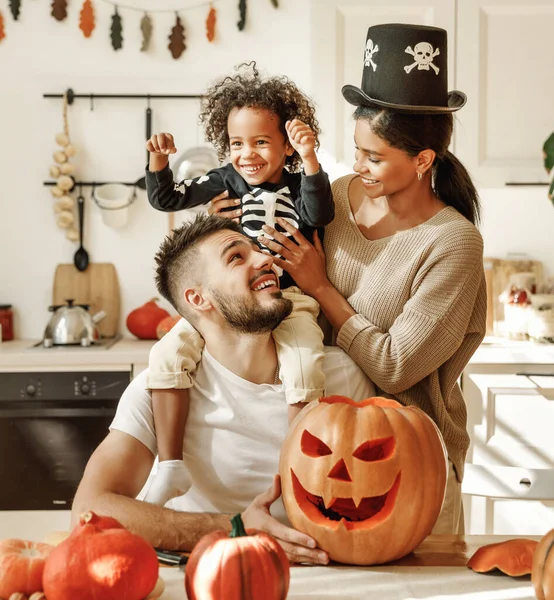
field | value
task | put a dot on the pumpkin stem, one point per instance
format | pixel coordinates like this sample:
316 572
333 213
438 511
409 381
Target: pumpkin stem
238 527
87 517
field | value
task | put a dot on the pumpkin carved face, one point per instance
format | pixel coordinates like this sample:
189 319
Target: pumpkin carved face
365 479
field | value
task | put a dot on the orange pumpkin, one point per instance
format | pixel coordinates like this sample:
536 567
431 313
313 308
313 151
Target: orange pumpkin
365 479
165 325
240 565
513 557
142 321
101 559
21 566
542 574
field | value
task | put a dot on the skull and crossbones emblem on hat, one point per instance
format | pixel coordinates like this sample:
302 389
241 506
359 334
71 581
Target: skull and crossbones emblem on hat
369 51
423 54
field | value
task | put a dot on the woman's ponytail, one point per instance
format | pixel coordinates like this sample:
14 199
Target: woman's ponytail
454 187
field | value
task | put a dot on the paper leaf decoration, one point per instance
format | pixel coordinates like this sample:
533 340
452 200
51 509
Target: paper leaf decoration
210 24
59 9
15 6
2 32
242 12
116 31
146 27
275 3
86 24
177 39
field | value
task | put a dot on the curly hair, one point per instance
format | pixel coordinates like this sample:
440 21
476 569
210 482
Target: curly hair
248 89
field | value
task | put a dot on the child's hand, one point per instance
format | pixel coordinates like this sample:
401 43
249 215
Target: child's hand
161 143
301 138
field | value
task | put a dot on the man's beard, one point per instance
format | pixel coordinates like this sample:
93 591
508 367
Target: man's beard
247 315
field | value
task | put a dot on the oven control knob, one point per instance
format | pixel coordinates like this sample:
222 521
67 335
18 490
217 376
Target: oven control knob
31 390
85 388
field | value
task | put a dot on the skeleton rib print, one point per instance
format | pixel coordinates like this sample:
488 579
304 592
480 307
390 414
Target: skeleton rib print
261 207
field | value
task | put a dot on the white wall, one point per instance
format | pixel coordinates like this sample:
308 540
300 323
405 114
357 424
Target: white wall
41 55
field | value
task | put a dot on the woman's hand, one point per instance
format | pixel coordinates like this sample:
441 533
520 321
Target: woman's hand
221 201
297 546
305 262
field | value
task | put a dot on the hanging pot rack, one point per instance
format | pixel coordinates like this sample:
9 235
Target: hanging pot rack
71 96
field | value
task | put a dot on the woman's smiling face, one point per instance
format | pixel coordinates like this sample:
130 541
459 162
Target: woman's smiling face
383 170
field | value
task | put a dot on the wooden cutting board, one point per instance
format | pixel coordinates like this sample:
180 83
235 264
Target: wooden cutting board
497 274
97 286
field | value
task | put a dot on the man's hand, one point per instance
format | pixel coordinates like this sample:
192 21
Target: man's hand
298 547
222 201
161 143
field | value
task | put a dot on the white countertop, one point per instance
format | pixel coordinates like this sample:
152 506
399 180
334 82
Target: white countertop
20 355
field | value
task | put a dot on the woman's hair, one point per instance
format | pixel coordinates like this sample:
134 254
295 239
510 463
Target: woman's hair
412 133
247 89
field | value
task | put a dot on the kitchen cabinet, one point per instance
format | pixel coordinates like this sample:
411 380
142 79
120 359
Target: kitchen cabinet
499 55
504 65
510 415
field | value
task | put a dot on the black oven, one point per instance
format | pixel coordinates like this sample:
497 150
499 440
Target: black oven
50 423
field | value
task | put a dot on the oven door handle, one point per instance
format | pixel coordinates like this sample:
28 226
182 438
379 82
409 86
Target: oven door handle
41 413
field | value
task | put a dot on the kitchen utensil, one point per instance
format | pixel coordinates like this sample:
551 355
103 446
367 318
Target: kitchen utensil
97 287
194 162
81 259
72 324
172 559
114 200
141 183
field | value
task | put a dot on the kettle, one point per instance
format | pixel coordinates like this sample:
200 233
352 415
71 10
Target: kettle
72 324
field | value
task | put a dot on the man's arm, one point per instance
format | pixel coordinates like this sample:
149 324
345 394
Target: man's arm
115 474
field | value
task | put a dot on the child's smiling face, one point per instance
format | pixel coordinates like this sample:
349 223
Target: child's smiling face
258 149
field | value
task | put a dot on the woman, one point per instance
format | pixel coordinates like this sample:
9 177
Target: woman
404 290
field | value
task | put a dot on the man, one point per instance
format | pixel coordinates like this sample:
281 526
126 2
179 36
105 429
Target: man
237 415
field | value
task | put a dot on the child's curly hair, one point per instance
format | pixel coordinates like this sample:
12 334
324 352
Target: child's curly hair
247 89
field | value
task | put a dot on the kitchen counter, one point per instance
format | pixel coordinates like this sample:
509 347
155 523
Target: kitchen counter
20 355
436 570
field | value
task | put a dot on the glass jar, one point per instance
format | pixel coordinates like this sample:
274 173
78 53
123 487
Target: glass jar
516 312
6 322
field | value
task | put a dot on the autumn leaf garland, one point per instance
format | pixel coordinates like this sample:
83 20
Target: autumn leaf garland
87 23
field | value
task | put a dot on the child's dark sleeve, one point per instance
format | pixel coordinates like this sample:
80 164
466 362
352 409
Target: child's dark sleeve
315 203
164 194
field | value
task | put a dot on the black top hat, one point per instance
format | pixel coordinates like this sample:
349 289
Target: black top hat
405 69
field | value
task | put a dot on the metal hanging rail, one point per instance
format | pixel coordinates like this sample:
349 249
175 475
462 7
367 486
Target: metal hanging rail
71 95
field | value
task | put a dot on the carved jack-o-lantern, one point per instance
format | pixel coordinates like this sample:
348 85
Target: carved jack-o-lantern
365 479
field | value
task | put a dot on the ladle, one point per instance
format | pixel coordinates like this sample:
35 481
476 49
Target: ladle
81 255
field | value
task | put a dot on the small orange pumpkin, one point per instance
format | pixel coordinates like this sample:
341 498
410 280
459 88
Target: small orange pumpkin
513 557
542 575
21 566
166 324
100 559
366 479
142 321
236 566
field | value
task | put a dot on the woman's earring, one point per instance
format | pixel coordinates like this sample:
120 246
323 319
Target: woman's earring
419 176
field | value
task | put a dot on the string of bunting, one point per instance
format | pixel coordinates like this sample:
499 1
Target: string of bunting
87 21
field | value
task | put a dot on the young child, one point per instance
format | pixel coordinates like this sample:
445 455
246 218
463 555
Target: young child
268 130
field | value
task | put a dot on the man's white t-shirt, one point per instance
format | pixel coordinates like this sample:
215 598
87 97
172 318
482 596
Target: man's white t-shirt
234 430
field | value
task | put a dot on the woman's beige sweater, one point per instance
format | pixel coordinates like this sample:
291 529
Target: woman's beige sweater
421 301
